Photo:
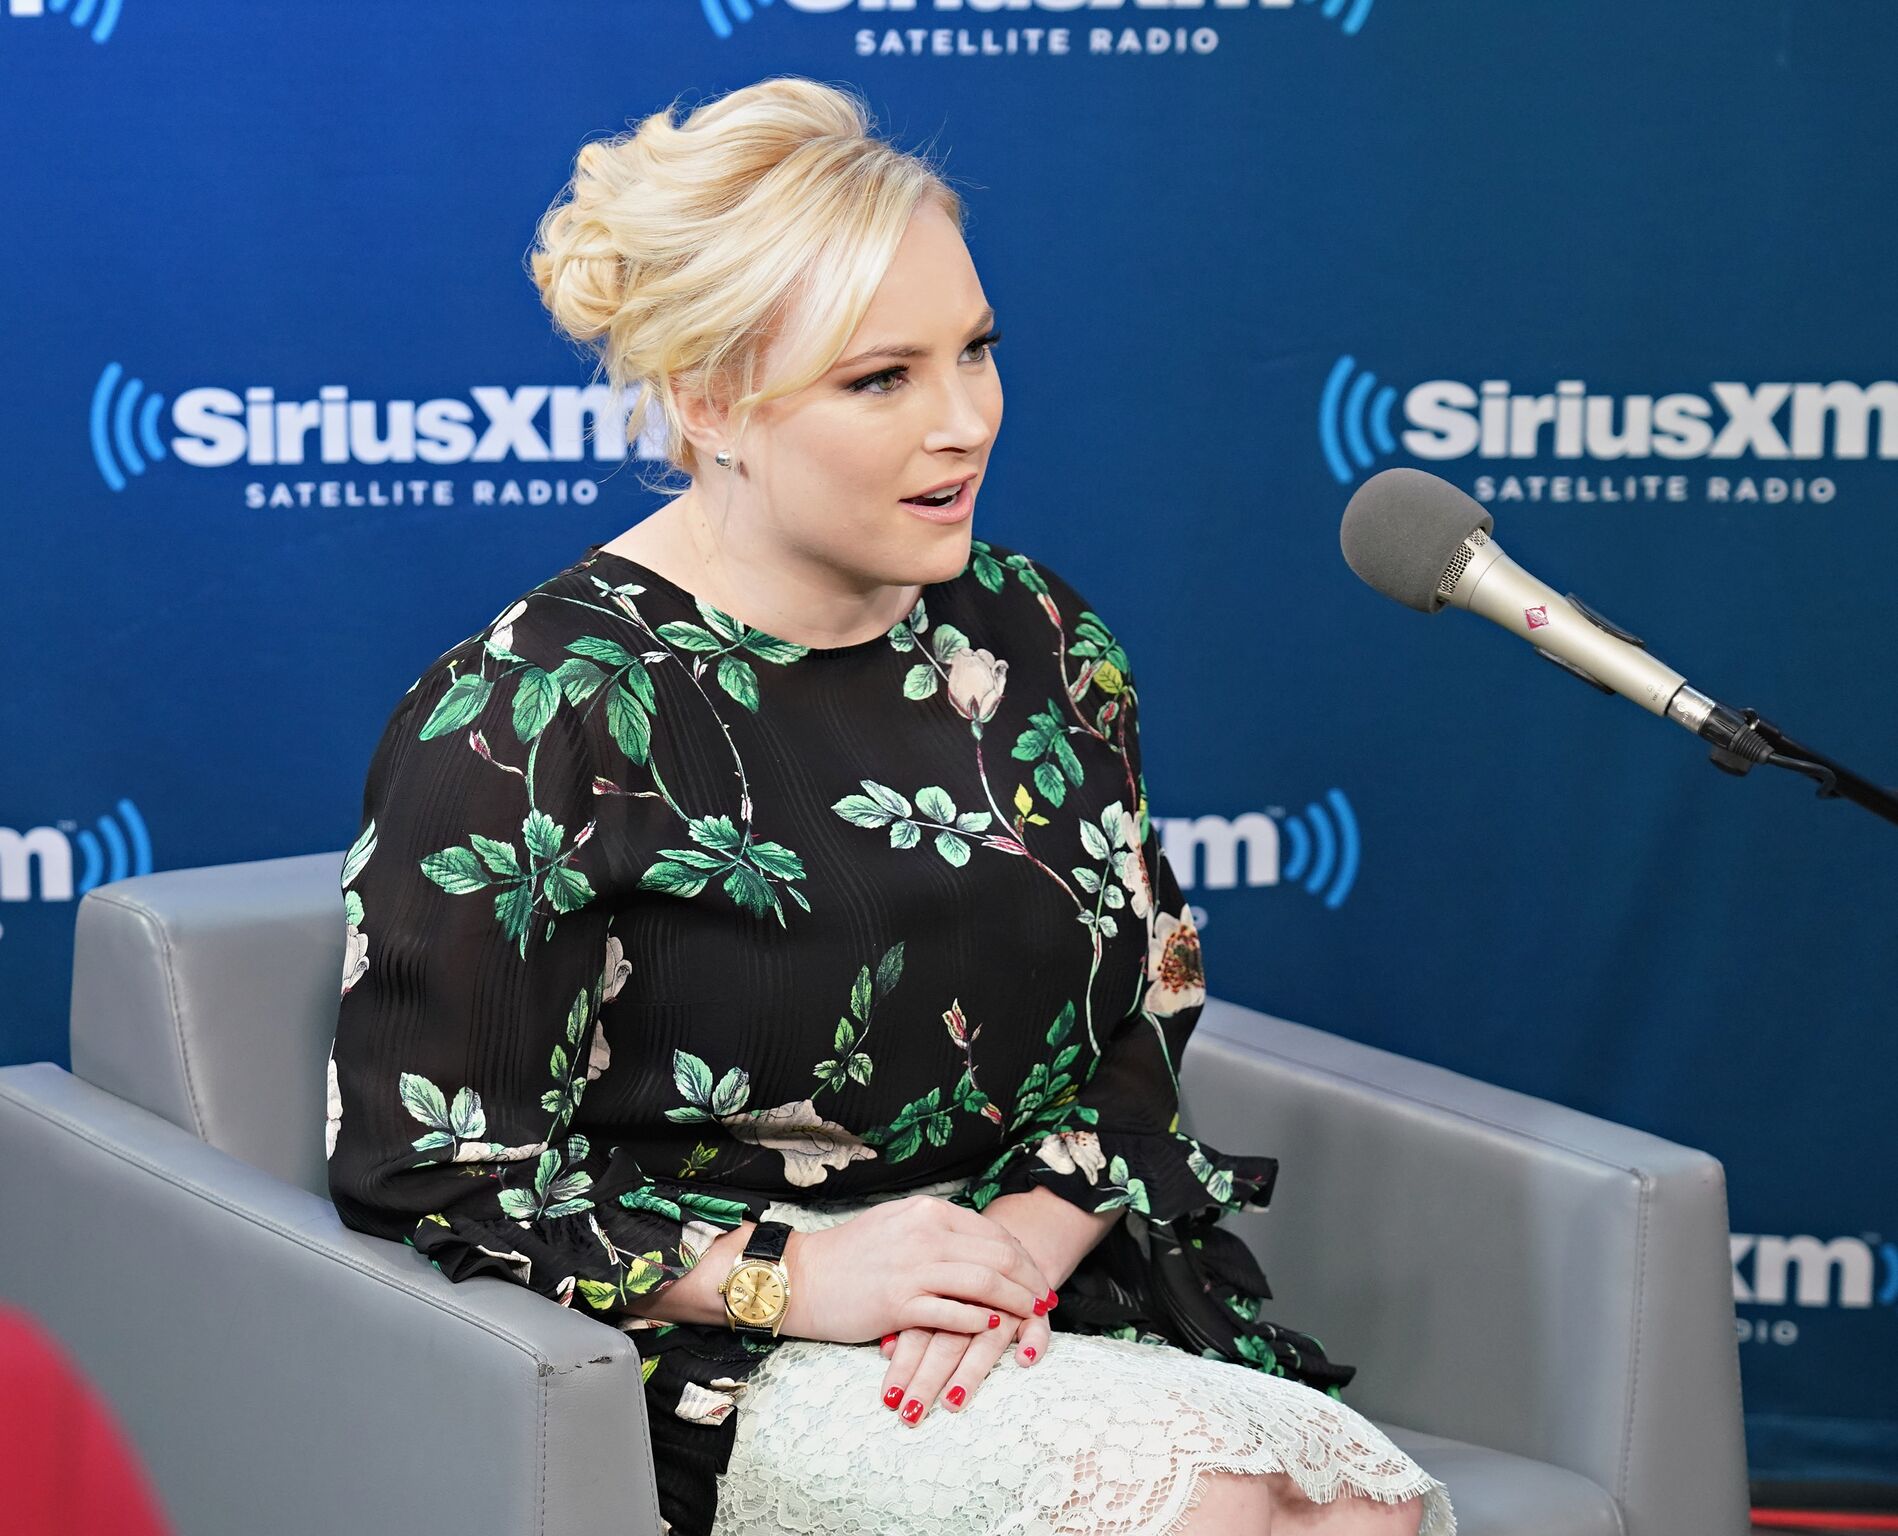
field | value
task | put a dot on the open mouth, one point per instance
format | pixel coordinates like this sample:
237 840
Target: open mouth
947 502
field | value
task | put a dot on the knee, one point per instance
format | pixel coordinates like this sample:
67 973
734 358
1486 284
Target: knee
1230 1504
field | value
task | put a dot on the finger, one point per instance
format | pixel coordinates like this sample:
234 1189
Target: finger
1022 1266
932 1373
905 1355
985 1284
931 1311
1032 1341
977 1361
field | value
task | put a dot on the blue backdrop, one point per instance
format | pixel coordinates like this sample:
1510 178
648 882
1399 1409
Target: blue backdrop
1243 255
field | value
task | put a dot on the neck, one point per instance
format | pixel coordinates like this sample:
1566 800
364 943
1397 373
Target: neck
808 604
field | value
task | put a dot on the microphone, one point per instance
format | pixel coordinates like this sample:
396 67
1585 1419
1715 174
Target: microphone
1422 542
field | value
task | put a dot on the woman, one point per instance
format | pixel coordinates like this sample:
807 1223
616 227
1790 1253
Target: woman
758 937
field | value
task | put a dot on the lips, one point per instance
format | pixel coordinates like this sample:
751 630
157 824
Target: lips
952 511
945 485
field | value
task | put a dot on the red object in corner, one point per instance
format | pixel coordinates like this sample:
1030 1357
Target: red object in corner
65 1467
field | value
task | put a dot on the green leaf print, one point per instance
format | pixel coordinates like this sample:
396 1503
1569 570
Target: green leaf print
462 703
359 854
1045 744
749 867
719 637
903 1137
881 806
536 697
461 871
704 1101
1132 1191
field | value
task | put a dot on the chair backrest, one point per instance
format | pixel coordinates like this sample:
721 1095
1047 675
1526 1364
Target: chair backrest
209 996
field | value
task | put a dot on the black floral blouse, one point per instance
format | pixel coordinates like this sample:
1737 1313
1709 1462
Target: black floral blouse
655 919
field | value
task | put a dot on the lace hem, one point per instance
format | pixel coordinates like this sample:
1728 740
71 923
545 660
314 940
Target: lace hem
1102 1437
1438 1519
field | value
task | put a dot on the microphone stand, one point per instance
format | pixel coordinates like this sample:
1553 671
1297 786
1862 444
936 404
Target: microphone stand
1743 737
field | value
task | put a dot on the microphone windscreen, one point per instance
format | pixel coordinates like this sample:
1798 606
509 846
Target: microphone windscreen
1402 529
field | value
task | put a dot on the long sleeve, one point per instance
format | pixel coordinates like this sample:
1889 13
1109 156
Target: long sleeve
1117 1142
479 954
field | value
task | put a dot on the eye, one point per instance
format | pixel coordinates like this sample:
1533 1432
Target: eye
986 342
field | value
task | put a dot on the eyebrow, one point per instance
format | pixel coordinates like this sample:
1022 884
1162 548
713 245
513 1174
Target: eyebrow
986 319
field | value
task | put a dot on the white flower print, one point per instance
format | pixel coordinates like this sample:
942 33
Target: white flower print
695 1237
520 1263
355 956
975 683
618 968
701 1405
810 1144
1132 868
488 1152
501 637
335 1109
1067 1151
1175 972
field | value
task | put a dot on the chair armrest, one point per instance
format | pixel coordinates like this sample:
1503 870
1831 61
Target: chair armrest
1502 1270
263 1357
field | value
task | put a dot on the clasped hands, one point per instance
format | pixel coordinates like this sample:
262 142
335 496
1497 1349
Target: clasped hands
949 1289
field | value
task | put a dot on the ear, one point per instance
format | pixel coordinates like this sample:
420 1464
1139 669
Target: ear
705 417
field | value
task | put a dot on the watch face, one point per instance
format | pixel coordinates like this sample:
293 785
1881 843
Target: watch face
755 1294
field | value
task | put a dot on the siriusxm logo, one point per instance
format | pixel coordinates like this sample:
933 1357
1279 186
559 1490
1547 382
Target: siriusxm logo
720 14
217 427
1203 851
101 16
1805 1272
1450 419
116 847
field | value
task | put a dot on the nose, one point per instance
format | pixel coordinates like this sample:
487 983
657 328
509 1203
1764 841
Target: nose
963 422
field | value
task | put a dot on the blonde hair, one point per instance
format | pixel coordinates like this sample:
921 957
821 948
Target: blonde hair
682 248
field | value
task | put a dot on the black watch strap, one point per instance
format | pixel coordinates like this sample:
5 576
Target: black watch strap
768 1239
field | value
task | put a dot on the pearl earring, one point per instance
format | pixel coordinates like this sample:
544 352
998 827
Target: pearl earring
724 458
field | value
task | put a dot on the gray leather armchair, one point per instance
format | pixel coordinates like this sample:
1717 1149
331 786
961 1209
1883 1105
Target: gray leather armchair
1539 1301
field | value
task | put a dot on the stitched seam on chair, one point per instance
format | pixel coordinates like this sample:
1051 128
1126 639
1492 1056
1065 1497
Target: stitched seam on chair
301 1241
171 999
1416 1098
1634 1346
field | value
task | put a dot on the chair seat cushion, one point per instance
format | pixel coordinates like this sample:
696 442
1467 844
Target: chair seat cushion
1497 1494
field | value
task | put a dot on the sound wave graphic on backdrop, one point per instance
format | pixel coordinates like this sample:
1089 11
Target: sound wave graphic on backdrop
125 853
715 13
1325 848
1359 9
116 440
1345 409
1350 14
100 15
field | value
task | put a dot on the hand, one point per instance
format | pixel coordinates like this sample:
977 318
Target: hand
917 1262
923 1361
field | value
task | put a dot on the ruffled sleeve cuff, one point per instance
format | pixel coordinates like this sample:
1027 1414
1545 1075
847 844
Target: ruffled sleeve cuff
572 1258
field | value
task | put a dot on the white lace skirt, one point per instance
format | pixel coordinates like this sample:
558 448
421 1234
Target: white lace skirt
1100 1437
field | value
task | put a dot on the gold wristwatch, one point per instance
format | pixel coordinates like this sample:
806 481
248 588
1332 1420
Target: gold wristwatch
757 1292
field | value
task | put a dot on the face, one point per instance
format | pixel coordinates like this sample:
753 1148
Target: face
916 401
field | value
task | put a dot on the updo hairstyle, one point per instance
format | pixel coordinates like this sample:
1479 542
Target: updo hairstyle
678 250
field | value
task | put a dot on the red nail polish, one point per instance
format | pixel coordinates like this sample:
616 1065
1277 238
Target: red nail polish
892 1396
1028 1350
912 1410
1041 1305
1053 1301
956 1395
888 1340
994 1321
